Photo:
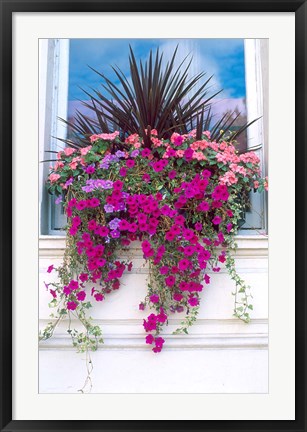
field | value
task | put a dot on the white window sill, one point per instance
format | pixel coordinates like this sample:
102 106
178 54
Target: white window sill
248 245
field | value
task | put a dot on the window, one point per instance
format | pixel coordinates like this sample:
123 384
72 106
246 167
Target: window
53 101
239 66
256 72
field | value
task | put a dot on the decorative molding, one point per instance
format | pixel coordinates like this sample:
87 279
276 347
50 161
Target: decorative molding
200 341
249 247
176 321
206 334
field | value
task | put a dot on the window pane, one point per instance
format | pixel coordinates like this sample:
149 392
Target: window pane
222 58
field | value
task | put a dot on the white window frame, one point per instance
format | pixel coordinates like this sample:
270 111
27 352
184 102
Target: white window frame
256 82
53 103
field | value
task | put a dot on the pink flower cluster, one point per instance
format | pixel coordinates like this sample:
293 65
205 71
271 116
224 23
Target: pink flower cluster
104 136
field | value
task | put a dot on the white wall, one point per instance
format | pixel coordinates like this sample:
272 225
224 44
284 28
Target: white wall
220 355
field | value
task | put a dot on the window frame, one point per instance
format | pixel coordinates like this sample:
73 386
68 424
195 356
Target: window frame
256 83
53 103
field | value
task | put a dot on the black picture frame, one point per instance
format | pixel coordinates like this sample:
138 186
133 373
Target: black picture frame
299 7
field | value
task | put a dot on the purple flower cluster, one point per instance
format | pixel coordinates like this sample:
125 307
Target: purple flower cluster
105 163
91 185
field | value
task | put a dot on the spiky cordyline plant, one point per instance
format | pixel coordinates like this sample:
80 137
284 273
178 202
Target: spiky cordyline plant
158 97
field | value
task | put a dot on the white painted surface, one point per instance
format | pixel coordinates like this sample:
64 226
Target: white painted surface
221 354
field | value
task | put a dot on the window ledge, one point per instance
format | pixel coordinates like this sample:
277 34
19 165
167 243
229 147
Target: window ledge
248 245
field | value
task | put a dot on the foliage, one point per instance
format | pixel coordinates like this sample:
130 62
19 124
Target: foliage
180 199
162 96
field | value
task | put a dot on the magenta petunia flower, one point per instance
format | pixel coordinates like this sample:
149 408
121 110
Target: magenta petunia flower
123 225
189 250
103 231
154 298
161 250
92 225
81 295
98 297
164 270
216 204
83 277
161 317
179 220
206 173
100 262
216 220
193 301
123 172
72 202
183 286
146 178
118 185
94 202
130 163
170 281
188 154
53 293
73 285
229 227
159 341
184 264
170 236
81 205
66 290
149 339
176 229
133 227
150 323
50 268
177 297
142 218
205 254
172 174
146 153
207 279
220 193
203 206
188 234
90 169
146 246
71 305
73 230
178 140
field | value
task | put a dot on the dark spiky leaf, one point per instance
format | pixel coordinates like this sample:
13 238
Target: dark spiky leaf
158 95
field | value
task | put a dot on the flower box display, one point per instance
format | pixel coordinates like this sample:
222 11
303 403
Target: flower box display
182 198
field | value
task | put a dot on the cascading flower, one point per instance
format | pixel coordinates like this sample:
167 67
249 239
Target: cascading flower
182 200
